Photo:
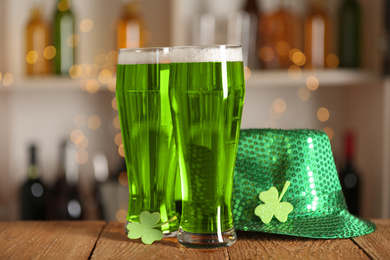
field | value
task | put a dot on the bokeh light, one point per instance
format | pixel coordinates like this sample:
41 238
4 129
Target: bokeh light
94 122
332 61
329 131
266 53
49 52
86 25
312 83
32 57
8 79
323 114
279 105
304 93
114 104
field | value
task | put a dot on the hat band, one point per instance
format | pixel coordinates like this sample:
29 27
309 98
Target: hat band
306 203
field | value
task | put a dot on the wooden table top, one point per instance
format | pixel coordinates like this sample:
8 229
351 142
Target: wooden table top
101 240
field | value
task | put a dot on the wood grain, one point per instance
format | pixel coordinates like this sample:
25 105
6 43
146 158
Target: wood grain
98 240
256 245
376 244
114 244
48 240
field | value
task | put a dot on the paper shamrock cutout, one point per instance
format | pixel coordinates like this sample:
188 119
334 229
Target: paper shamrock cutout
146 228
273 206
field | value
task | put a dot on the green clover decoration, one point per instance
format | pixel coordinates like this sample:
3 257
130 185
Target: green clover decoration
272 205
146 228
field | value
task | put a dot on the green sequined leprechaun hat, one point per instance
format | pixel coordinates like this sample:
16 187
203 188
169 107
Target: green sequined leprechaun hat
286 182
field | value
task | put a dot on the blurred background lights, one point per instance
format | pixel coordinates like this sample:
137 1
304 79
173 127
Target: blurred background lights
247 72
112 57
282 48
94 122
266 53
32 57
279 105
112 84
116 122
121 150
294 72
63 5
81 156
86 25
114 104
75 71
329 131
77 136
121 215
118 139
49 52
297 57
8 79
92 86
323 114
332 61
122 178
83 144
304 93
312 83
105 76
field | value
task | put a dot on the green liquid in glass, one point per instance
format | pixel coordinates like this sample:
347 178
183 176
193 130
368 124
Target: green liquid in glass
207 101
147 133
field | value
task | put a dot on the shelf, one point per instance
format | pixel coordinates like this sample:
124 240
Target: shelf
257 79
55 83
326 77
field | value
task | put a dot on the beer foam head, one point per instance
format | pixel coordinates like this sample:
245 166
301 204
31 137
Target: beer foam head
214 53
143 56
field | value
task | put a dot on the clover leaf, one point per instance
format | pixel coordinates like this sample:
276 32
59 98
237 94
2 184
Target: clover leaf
273 206
146 228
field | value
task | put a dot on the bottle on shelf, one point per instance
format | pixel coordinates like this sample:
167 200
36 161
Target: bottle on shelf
64 39
65 199
349 28
279 34
317 35
33 191
349 177
130 26
37 40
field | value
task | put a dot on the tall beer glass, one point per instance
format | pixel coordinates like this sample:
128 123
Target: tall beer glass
207 94
147 133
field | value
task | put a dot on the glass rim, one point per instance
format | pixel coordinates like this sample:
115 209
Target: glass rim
208 46
142 49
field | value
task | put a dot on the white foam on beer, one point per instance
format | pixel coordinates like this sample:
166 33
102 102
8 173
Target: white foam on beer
216 53
143 56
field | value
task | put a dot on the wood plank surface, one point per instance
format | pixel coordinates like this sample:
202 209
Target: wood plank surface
114 244
98 240
256 245
377 244
48 240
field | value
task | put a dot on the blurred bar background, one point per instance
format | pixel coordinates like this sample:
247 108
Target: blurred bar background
286 88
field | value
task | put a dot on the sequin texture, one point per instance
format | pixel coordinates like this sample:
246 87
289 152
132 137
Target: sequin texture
270 157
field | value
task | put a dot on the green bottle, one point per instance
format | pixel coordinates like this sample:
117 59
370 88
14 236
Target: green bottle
349 34
64 38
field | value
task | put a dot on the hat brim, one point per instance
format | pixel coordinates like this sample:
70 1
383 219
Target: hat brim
270 157
341 225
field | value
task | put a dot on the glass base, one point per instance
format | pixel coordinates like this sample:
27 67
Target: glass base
165 234
208 240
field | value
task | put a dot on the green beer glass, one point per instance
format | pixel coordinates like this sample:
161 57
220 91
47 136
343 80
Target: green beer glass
147 133
207 91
